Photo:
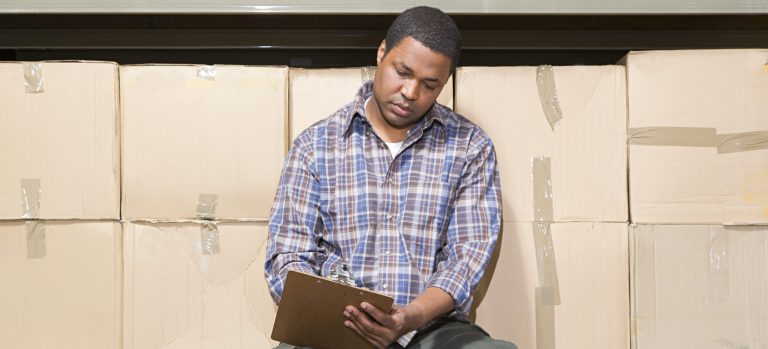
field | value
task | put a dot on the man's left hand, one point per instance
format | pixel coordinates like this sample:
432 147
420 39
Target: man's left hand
381 329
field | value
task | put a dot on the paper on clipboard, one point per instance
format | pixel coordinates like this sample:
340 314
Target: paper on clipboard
311 312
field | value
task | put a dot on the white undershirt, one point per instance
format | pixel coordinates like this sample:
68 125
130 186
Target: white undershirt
394 147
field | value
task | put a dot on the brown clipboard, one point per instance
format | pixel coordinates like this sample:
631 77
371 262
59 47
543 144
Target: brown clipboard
311 312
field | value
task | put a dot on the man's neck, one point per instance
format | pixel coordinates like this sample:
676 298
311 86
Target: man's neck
385 131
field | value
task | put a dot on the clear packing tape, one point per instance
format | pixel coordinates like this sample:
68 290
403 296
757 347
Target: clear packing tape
719 276
33 77
542 189
30 207
548 292
35 239
206 206
545 322
30 198
545 80
699 137
209 239
367 73
207 72
209 232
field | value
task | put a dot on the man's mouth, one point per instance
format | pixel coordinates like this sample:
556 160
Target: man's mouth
401 110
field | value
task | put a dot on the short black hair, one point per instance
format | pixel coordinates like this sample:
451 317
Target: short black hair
429 26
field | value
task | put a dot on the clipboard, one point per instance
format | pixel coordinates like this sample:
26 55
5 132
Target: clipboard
311 312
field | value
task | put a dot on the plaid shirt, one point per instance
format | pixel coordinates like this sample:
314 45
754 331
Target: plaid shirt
427 218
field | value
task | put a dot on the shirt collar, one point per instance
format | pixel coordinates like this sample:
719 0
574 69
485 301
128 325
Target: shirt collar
358 110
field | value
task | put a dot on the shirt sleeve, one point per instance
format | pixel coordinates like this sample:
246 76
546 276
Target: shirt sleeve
294 219
473 228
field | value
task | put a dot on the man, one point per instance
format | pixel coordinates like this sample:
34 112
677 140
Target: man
402 189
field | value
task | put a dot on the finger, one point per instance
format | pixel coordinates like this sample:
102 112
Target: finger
360 330
381 317
349 324
364 324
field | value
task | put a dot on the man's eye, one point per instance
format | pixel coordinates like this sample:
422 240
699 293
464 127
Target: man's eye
430 87
402 73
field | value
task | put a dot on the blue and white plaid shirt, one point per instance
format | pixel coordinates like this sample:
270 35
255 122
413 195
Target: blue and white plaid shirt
427 218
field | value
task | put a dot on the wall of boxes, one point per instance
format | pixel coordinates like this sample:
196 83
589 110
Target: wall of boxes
134 200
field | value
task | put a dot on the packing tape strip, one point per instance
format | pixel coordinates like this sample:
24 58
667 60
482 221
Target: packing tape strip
548 292
35 239
542 236
699 137
643 279
33 77
674 136
207 72
743 141
30 198
545 263
209 239
719 268
545 322
542 189
206 206
367 73
545 80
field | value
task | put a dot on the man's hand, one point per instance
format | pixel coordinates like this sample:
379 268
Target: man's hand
380 329
386 328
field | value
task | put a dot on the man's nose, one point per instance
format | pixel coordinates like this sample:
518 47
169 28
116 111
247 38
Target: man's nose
410 89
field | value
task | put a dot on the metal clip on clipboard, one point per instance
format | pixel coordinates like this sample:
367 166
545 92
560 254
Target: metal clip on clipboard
343 275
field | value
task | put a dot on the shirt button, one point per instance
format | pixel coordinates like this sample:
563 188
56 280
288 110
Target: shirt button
384 286
387 252
389 216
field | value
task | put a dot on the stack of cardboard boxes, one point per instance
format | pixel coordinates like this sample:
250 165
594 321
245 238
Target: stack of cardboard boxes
202 152
60 236
133 210
560 276
698 165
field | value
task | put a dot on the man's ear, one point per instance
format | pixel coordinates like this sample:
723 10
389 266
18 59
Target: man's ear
382 50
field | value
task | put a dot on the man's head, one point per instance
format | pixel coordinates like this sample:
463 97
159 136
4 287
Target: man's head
414 63
429 26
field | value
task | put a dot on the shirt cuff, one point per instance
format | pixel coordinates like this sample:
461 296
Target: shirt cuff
406 338
455 284
277 290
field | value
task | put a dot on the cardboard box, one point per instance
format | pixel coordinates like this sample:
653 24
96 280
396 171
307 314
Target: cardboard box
70 297
699 286
318 93
713 174
188 133
64 138
586 148
176 297
591 269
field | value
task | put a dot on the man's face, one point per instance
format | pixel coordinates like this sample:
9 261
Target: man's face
408 80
